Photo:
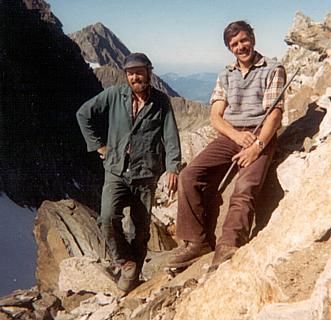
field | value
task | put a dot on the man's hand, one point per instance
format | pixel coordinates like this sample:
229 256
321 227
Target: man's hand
247 156
172 181
102 152
244 138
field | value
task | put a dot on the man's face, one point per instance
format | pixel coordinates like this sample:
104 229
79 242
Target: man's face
242 46
138 79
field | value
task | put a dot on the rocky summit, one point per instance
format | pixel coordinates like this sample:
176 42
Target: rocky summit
284 272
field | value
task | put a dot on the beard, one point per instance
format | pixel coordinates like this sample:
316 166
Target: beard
139 86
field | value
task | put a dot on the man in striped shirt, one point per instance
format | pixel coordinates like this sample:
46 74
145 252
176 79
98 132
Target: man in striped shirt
243 93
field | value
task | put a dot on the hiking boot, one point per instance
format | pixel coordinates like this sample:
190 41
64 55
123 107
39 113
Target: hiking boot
187 254
222 253
129 278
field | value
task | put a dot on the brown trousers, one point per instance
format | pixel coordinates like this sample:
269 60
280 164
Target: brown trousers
199 200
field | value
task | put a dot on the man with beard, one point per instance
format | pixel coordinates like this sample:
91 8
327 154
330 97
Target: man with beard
244 91
142 142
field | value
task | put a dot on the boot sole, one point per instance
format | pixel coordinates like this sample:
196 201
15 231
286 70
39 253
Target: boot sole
183 264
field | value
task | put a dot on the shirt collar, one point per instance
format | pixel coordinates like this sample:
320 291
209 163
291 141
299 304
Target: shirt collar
258 61
148 94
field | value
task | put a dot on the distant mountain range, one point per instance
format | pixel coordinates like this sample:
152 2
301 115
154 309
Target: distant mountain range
196 86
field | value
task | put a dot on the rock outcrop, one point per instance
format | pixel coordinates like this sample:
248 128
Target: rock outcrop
63 230
310 50
309 34
242 287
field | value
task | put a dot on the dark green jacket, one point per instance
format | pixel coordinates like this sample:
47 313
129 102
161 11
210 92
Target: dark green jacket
153 138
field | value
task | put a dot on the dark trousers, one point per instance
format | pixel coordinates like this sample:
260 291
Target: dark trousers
199 200
120 192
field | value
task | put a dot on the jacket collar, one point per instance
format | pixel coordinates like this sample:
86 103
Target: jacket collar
126 91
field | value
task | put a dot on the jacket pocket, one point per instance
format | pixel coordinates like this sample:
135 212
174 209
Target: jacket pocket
151 125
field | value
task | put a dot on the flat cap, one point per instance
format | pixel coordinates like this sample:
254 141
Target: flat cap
137 59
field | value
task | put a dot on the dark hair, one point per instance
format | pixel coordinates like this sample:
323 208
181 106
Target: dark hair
234 28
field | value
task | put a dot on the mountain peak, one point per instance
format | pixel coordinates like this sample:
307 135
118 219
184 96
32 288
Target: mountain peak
99 45
100 25
98 28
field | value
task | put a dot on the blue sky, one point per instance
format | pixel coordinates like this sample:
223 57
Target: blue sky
185 36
